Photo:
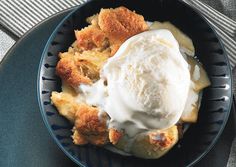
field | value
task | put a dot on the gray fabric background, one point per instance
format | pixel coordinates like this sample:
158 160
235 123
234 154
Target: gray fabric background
228 7
5 43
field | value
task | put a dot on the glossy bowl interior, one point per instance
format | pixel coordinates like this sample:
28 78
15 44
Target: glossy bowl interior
216 100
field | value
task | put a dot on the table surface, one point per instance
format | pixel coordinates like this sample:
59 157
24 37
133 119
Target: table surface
24 139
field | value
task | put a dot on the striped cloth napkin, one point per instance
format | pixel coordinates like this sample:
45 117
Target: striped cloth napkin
21 15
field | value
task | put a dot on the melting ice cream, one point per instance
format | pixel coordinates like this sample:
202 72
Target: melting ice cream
144 85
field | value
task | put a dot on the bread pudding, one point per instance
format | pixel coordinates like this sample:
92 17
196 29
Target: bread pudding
129 84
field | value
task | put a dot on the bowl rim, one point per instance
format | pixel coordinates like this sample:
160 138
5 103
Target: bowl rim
42 110
40 103
231 88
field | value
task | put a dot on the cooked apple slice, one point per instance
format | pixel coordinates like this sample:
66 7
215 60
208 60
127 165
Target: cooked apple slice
198 74
186 44
190 113
199 81
150 145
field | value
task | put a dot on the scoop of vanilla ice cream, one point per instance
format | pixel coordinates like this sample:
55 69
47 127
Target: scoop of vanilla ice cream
147 83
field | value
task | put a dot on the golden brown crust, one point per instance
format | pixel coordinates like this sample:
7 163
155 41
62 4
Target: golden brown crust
93 20
120 23
91 37
79 139
90 125
76 68
114 135
110 28
114 48
97 58
70 72
65 105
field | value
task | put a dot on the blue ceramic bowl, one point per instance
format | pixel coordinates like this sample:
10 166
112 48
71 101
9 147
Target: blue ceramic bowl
216 101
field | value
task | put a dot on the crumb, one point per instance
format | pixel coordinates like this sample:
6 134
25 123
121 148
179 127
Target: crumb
114 135
92 127
160 138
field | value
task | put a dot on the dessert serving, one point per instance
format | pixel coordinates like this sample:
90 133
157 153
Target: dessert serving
129 83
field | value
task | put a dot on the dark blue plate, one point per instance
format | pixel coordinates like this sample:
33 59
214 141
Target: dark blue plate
216 101
24 140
